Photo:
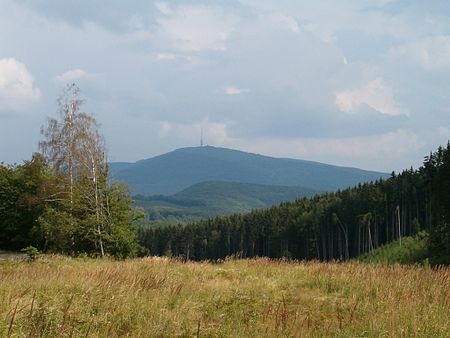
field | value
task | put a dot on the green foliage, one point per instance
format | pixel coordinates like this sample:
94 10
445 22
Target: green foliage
440 245
31 252
56 229
209 199
413 249
74 231
35 210
61 200
23 190
119 232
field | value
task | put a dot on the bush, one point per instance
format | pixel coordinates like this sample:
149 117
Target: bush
413 250
32 253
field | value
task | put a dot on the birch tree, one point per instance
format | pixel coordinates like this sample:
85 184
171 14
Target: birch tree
60 146
74 148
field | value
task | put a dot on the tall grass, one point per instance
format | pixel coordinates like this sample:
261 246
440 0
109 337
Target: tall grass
160 297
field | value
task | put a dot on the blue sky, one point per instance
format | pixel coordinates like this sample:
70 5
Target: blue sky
356 83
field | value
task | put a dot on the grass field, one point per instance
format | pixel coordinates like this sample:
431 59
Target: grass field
158 297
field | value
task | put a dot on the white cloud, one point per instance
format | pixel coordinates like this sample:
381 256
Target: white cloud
166 56
214 133
374 94
161 57
394 143
325 32
383 152
163 8
70 76
293 77
165 128
235 91
17 91
196 28
432 53
286 21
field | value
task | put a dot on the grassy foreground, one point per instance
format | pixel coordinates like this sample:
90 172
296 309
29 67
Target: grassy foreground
158 297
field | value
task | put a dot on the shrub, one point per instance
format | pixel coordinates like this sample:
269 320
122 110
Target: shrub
31 252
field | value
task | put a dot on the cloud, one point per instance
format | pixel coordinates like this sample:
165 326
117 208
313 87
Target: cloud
235 91
166 56
70 76
170 57
164 8
165 128
180 61
374 94
393 143
195 28
17 91
383 152
115 15
397 149
431 53
286 21
214 133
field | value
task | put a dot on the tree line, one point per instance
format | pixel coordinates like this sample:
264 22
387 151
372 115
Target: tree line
331 226
61 199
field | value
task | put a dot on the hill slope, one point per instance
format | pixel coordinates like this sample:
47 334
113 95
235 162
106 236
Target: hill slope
177 170
209 199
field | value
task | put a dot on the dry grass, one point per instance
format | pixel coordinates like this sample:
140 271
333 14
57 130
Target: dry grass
156 297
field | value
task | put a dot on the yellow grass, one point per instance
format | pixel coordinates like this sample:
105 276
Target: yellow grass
156 297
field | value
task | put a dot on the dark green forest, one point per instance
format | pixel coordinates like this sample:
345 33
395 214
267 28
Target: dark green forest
331 226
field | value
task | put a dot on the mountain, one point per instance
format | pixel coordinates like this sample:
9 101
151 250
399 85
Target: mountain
207 199
177 170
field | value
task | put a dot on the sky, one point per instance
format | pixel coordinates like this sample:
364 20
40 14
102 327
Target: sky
355 83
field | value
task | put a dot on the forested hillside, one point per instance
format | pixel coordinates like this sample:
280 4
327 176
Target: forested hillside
337 225
170 173
208 199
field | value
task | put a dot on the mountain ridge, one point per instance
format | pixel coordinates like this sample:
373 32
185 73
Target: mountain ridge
174 171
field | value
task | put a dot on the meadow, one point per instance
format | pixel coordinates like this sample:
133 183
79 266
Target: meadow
56 296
